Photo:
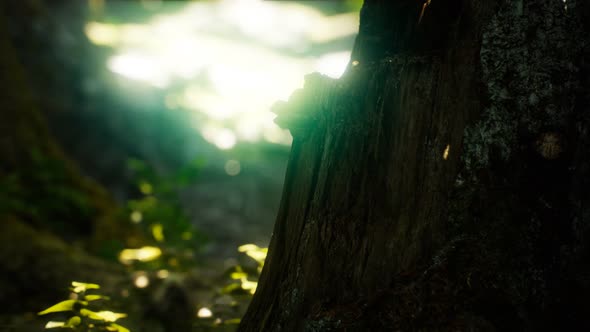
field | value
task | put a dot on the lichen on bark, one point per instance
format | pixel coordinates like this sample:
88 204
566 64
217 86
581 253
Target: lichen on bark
529 73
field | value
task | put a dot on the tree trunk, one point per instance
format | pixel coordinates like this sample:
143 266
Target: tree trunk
442 182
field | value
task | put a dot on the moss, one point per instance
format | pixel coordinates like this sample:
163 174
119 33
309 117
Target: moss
528 75
305 106
514 198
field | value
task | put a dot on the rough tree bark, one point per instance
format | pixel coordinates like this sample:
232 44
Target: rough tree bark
442 182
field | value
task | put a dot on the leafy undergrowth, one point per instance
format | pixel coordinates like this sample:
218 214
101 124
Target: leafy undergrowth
80 312
158 281
192 300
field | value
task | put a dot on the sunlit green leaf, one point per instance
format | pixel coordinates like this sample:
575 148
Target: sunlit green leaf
143 254
249 285
254 251
107 316
238 275
66 305
93 297
230 288
258 255
53 324
78 287
158 232
117 327
233 321
74 321
247 247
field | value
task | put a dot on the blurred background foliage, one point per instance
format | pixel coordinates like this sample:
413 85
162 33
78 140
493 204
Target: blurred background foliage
139 151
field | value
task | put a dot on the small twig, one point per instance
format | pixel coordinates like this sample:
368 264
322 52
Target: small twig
426 4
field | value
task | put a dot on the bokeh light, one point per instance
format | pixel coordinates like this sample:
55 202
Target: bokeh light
162 274
232 167
143 254
141 281
136 217
204 313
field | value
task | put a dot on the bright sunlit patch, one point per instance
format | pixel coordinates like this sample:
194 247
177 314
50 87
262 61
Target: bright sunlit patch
254 251
225 139
78 287
212 104
249 285
333 27
228 61
333 64
102 34
172 101
95 297
446 152
139 67
238 275
52 324
143 254
107 316
232 167
141 281
204 313
287 24
278 135
248 129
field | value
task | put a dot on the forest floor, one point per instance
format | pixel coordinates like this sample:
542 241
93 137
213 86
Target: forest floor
229 210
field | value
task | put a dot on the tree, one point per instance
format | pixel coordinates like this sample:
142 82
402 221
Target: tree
45 201
442 182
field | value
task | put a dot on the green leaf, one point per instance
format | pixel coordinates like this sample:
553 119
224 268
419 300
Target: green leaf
78 287
231 288
54 324
233 321
238 275
93 297
73 322
158 232
106 316
66 305
117 327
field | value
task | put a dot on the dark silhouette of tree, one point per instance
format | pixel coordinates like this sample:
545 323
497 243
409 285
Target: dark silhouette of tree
442 182
45 201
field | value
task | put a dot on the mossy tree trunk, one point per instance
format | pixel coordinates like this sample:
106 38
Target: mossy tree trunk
442 182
